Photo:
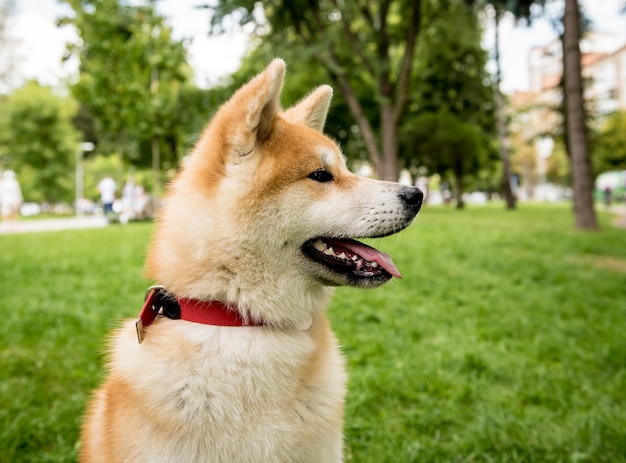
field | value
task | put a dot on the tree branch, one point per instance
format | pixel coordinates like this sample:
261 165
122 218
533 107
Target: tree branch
404 77
331 61
385 87
338 73
354 42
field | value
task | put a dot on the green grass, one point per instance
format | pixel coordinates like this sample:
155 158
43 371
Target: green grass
60 292
504 342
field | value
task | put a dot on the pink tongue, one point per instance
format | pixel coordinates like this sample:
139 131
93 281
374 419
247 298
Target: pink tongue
366 252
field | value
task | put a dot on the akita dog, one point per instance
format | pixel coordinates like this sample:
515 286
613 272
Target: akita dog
233 360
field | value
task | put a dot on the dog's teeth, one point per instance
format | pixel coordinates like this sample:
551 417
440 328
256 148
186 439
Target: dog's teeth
354 258
374 264
319 245
342 255
329 251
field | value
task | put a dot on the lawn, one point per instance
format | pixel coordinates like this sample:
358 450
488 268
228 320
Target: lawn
505 341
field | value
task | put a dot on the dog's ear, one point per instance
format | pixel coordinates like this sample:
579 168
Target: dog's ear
265 101
248 117
312 109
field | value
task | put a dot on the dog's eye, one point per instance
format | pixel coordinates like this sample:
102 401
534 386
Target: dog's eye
321 175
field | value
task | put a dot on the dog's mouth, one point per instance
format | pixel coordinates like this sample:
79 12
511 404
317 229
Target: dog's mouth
358 263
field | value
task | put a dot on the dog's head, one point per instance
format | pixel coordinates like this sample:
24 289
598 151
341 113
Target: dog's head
266 197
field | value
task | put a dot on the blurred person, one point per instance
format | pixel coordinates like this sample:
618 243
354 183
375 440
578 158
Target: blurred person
142 204
10 196
107 188
128 199
128 195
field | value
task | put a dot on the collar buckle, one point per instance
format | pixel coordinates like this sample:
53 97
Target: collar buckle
157 301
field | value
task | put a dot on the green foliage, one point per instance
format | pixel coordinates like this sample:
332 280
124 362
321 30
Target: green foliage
193 108
450 74
558 166
99 166
131 75
364 48
301 79
446 142
503 341
451 122
38 140
105 84
361 47
522 10
609 145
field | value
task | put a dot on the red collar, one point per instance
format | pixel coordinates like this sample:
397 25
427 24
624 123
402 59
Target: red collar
159 301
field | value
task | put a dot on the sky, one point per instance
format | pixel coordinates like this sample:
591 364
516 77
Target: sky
41 45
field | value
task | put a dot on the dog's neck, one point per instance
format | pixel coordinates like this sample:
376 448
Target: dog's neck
217 313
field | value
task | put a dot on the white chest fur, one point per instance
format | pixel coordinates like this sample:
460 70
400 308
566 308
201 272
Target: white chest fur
198 389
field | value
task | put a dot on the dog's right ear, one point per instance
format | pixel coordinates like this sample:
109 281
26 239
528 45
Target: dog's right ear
312 109
253 108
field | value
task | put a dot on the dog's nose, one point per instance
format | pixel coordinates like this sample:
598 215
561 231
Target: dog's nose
412 197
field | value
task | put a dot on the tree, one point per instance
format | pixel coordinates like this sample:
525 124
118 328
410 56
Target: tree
130 76
576 136
450 121
459 147
41 141
576 128
504 147
339 125
521 10
168 72
107 85
360 44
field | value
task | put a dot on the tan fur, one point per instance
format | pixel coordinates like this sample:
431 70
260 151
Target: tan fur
232 228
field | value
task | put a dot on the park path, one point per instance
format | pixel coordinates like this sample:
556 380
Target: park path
42 225
73 223
620 215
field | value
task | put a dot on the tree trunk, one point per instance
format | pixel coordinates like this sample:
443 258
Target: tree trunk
503 140
582 176
389 133
460 188
369 137
393 93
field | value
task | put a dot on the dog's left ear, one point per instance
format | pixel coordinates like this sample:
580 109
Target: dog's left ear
312 109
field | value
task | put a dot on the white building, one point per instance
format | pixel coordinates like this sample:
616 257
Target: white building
607 81
604 70
603 64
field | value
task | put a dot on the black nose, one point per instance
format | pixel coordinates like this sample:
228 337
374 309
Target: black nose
412 197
